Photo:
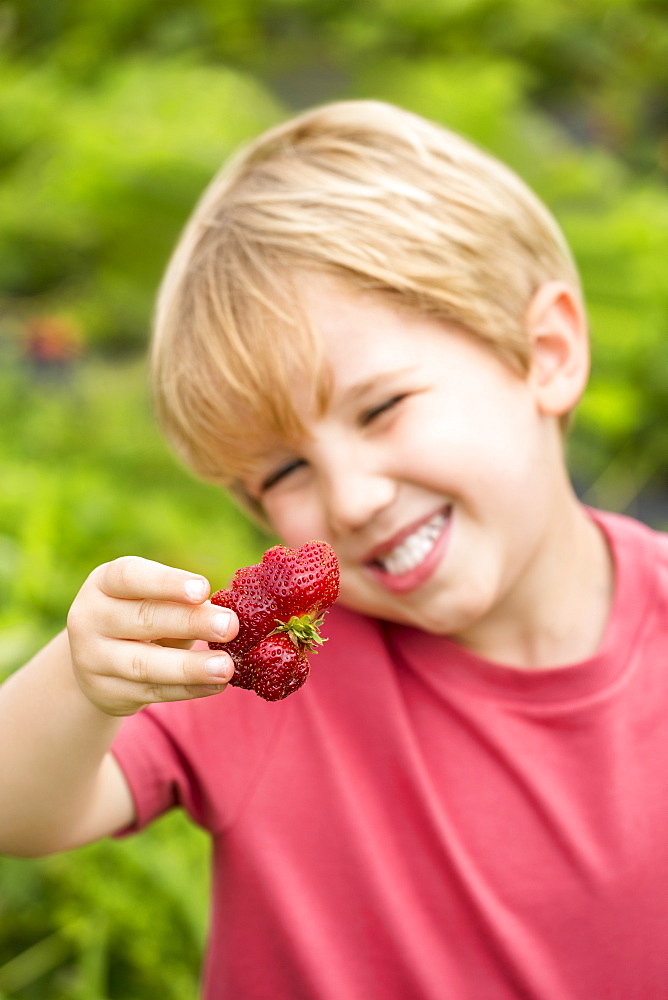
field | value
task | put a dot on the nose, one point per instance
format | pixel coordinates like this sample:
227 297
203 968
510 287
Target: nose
354 493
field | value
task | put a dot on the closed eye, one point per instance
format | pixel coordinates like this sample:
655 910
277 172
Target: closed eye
376 411
280 473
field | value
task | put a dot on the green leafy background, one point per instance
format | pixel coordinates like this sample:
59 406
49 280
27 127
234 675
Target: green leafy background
113 116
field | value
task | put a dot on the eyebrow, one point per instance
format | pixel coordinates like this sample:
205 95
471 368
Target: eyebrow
360 389
357 390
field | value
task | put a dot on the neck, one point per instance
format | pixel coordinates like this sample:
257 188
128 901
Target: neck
559 613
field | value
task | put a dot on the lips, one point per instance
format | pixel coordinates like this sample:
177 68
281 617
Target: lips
411 556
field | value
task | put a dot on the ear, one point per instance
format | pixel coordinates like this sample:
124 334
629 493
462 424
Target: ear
557 329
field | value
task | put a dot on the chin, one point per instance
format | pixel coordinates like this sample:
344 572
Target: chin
444 615
450 619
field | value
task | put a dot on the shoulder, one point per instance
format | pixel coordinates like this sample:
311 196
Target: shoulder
641 557
343 628
251 723
208 752
632 534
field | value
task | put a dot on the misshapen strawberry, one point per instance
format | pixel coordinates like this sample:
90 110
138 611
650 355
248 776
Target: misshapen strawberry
277 667
280 603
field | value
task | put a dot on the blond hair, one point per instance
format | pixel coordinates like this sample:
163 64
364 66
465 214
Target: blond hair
361 189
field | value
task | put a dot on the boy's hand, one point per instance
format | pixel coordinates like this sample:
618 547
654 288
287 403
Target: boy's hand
130 631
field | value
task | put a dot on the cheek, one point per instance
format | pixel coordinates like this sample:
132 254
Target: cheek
294 519
467 444
434 448
350 586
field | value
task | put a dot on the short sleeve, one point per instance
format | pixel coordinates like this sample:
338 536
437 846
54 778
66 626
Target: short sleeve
202 755
154 768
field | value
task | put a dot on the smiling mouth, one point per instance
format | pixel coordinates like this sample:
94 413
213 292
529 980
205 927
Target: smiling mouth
413 550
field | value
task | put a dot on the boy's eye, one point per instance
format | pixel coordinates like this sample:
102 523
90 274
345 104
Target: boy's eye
280 473
376 411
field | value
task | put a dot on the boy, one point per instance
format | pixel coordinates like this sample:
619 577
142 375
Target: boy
372 333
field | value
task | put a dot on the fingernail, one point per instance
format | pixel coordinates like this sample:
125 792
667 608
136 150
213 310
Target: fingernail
196 589
219 666
220 623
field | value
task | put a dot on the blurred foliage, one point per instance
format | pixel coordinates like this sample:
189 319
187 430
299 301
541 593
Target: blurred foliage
122 919
86 478
109 172
113 116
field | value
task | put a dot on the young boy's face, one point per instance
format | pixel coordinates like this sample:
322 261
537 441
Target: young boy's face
431 473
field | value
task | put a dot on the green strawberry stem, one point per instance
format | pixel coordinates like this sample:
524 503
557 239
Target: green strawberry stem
303 631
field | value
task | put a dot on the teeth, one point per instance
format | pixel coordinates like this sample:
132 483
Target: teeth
414 549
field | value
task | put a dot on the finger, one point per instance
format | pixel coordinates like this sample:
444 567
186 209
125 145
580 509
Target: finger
180 624
132 578
117 697
154 667
181 644
174 692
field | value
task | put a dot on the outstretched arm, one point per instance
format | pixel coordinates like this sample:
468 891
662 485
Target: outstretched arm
126 645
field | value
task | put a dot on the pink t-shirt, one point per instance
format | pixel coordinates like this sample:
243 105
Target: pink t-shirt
418 824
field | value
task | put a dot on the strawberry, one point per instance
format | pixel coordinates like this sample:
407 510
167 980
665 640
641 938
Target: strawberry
280 603
301 579
277 667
